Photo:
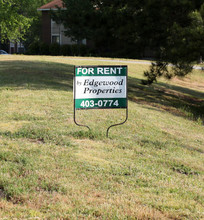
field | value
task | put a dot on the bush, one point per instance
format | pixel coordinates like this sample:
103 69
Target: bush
66 50
44 49
33 48
83 50
75 50
40 48
54 49
79 50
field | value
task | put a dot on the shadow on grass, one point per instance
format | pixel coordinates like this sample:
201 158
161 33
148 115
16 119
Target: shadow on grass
36 75
174 99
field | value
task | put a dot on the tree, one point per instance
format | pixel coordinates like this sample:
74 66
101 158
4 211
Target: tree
173 29
19 20
75 18
30 10
13 24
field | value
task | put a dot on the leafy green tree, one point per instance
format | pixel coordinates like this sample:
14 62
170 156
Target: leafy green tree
30 10
175 31
75 18
13 23
20 20
97 21
172 29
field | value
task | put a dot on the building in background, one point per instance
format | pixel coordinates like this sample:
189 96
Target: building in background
51 31
16 47
12 47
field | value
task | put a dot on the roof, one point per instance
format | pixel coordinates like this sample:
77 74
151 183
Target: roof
51 5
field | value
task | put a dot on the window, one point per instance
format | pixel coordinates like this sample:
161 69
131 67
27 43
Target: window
56 39
53 22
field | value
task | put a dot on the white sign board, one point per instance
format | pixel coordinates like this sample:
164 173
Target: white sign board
100 87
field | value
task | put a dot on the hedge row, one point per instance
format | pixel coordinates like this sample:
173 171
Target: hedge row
39 48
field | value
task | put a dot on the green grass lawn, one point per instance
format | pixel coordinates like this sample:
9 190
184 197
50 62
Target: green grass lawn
149 168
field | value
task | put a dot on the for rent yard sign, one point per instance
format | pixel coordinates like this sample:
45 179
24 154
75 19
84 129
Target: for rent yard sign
100 87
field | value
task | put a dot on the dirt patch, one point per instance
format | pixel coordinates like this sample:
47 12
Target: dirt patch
159 106
181 96
37 141
188 83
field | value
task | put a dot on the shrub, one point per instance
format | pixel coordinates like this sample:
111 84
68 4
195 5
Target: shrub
34 48
79 50
66 50
40 48
75 49
83 50
44 49
54 49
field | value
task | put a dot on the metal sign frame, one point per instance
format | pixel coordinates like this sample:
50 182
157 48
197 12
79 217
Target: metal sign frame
74 85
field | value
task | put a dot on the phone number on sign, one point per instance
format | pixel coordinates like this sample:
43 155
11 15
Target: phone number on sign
99 103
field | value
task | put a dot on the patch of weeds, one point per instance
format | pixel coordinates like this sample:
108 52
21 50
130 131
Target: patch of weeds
144 142
6 156
142 183
1 194
39 134
174 190
93 135
24 166
6 134
18 179
122 146
33 132
22 159
10 190
125 145
187 194
21 164
91 212
24 117
183 169
194 112
88 168
51 186
190 148
200 121
122 171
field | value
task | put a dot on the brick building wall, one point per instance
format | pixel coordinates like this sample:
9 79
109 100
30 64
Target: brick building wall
46 27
